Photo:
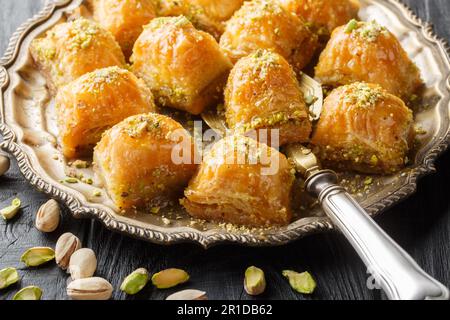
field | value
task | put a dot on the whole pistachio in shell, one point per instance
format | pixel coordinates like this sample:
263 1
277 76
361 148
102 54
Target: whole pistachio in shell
94 288
66 245
36 256
82 264
4 164
189 294
48 216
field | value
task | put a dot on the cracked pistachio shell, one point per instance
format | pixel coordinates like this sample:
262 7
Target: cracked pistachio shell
82 264
4 164
8 276
254 282
36 256
48 216
66 245
10 211
169 278
135 281
94 288
28 293
300 282
189 294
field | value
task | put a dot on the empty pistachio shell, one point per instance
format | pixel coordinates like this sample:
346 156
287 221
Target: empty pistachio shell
8 276
169 278
94 288
254 282
66 245
10 211
36 256
82 264
189 294
47 217
135 281
28 293
300 282
4 164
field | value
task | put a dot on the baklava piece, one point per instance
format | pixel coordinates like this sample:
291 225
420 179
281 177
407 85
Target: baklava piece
183 66
264 24
124 19
72 49
206 15
323 15
95 102
263 93
138 164
232 185
364 128
366 51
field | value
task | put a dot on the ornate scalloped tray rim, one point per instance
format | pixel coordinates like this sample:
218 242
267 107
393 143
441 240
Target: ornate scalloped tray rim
82 210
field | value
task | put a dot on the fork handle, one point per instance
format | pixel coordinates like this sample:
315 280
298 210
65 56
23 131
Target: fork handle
391 267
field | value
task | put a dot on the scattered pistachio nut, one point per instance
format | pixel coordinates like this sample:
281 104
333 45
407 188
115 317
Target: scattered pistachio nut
8 276
300 282
189 294
255 281
94 288
135 281
28 293
169 278
36 256
4 164
82 264
10 211
48 216
66 245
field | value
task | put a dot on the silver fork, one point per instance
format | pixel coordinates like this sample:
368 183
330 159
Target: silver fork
393 269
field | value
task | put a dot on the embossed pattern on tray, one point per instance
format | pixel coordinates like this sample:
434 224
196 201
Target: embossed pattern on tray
27 125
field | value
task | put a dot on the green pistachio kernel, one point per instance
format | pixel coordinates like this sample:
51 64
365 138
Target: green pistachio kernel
135 281
351 25
8 276
300 282
28 293
10 211
36 256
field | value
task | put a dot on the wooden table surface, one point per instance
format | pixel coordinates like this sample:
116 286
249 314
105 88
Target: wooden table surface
420 224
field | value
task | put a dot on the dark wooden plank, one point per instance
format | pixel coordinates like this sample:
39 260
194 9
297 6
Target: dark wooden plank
421 225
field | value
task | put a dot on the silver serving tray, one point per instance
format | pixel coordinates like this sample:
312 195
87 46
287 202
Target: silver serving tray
27 126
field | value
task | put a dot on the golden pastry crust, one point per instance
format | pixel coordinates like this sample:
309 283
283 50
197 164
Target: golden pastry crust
134 160
95 102
72 49
206 15
364 128
324 15
262 92
366 51
226 191
264 24
184 67
124 19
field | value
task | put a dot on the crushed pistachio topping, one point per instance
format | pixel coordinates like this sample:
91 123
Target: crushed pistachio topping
278 118
369 31
362 95
263 61
136 126
157 23
80 164
82 33
351 25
